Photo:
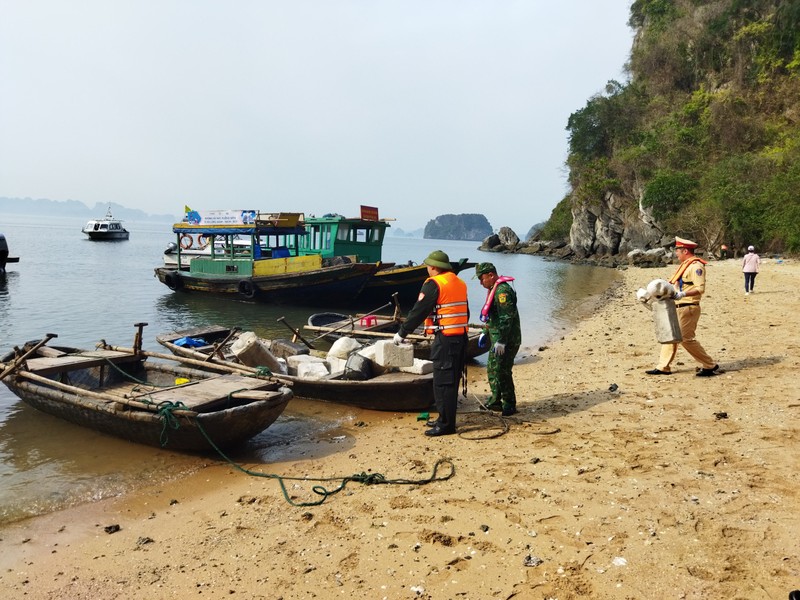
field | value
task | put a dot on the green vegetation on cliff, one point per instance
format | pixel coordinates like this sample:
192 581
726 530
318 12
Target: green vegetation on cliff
706 134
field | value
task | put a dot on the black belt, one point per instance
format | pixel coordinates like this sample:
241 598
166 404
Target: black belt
683 305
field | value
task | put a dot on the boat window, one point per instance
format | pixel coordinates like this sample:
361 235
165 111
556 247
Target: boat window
343 233
319 238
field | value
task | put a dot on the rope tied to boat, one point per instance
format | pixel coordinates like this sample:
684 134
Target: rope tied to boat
363 477
168 420
127 375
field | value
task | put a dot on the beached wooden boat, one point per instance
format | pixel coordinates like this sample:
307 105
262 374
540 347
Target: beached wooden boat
391 391
369 328
164 402
106 229
268 268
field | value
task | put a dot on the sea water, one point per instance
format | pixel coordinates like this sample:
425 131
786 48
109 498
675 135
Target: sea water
87 291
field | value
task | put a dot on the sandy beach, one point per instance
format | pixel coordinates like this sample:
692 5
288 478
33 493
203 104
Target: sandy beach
608 484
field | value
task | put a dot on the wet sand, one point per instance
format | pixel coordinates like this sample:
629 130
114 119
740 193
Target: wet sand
609 483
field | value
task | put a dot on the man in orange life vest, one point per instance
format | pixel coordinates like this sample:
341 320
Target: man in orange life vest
442 304
690 284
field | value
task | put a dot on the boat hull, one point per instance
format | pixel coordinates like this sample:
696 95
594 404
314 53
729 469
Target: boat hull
224 428
405 280
99 397
107 236
335 285
395 391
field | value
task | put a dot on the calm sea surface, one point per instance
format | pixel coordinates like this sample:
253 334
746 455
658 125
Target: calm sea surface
86 291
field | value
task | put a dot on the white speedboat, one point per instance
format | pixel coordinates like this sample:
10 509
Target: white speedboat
107 228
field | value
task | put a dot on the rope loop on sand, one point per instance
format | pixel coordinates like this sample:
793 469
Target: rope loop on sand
363 477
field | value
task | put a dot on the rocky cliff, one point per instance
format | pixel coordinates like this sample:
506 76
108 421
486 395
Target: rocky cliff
605 239
469 227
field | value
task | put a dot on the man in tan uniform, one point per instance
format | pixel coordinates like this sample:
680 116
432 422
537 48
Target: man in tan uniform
690 284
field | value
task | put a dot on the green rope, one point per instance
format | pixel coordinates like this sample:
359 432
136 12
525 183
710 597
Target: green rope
169 420
363 477
127 375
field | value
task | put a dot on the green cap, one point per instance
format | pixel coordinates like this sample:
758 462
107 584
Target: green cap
437 258
485 267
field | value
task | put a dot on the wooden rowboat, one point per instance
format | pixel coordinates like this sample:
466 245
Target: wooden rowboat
390 391
126 394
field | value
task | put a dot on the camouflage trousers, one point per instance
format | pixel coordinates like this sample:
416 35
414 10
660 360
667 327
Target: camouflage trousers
501 381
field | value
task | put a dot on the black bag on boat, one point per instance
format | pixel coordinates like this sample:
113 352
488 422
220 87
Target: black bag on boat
357 368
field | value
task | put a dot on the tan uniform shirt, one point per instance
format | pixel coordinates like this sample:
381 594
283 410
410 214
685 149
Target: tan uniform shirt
693 276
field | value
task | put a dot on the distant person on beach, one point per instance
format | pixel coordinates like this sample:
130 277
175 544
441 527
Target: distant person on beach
442 305
750 267
723 251
689 281
501 316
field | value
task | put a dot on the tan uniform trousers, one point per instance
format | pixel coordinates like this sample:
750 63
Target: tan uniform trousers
688 316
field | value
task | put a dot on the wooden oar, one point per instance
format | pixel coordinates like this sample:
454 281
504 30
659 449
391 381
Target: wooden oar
219 345
17 362
232 367
296 333
107 398
387 305
240 368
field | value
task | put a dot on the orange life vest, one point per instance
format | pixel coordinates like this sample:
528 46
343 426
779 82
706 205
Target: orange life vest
451 314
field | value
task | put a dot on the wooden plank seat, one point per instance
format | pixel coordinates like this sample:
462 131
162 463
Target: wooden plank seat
212 391
72 362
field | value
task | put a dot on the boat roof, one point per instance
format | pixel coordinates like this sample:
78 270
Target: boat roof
107 219
337 218
241 222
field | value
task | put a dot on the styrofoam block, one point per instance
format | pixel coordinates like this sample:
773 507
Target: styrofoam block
336 364
368 352
312 370
342 347
420 367
283 348
389 354
294 362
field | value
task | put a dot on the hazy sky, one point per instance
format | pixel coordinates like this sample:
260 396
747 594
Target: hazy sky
418 107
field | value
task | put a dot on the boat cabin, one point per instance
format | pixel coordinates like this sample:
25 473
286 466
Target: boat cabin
243 242
360 238
107 228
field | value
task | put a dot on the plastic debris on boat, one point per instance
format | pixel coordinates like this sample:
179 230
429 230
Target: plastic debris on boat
190 342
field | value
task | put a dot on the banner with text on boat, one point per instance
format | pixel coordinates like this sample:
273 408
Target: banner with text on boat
239 221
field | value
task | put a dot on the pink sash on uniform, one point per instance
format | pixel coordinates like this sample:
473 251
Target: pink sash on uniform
490 297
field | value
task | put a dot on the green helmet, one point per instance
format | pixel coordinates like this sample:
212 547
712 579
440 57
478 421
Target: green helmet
484 267
439 259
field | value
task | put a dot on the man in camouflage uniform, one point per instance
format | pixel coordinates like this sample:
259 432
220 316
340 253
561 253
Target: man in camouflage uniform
501 316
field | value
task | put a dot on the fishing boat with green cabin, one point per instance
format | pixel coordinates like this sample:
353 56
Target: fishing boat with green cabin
269 267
